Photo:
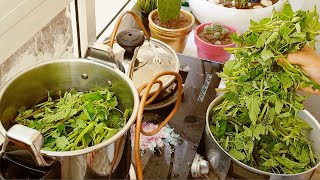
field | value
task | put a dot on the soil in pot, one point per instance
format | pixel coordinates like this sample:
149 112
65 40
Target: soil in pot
178 23
215 34
252 4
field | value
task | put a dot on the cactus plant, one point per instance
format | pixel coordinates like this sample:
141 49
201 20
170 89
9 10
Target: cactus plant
215 34
168 9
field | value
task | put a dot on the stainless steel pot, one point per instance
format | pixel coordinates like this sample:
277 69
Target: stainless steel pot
32 85
218 157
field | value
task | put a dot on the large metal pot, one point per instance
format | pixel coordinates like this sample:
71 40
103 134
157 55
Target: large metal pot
32 85
218 157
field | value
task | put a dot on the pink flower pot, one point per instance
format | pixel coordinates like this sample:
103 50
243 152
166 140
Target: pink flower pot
210 51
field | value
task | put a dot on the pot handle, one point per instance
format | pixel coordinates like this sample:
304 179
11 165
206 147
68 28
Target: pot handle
27 138
97 51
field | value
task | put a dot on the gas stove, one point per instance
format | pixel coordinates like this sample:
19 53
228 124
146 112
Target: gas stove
200 81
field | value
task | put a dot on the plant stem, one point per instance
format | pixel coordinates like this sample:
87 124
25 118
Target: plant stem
84 132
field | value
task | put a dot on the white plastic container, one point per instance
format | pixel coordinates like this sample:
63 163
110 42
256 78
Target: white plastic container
205 11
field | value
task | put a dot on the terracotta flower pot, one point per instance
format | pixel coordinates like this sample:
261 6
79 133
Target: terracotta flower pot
175 38
209 51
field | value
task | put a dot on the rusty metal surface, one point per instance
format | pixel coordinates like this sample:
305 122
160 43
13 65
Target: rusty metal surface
189 121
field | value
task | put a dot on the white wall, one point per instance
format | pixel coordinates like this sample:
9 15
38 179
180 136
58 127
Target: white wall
20 20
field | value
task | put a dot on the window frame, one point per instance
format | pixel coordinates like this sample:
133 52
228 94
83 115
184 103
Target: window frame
24 21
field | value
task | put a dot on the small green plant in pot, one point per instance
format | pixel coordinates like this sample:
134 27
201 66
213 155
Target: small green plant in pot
170 24
146 6
211 39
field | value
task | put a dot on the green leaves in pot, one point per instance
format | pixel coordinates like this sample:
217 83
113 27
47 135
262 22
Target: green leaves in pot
258 121
76 120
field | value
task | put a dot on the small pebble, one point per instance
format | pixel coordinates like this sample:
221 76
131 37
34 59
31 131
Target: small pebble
249 4
257 7
213 1
217 43
233 3
266 2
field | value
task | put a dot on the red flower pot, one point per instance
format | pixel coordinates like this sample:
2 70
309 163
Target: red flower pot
209 51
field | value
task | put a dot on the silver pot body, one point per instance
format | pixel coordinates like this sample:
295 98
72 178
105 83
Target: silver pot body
31 87
220 159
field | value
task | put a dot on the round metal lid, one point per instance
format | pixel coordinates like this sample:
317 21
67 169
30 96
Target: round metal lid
130 39
153 57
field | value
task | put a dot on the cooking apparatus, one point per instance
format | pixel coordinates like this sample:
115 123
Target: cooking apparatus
215 153
32 85
200 80
151 57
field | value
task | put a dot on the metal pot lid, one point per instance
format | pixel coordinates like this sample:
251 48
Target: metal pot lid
153 57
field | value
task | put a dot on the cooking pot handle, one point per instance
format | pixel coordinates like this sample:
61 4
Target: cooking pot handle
28 138
97 51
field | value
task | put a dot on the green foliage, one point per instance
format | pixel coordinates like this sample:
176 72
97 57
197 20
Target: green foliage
168 9
261 103
76 120
147 6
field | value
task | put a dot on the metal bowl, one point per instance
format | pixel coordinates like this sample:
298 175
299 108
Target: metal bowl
313 135
32 85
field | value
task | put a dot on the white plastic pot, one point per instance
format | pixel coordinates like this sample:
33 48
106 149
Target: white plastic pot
205 11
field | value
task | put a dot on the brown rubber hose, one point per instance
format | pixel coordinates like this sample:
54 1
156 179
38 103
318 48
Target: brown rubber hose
142 105
111 42
144 101
114 32
155 95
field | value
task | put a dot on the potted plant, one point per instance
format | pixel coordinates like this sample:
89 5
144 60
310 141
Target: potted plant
145 7
170 24
211 39
234 13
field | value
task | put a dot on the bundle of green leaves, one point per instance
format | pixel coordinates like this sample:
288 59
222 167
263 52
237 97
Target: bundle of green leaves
258 123
75 121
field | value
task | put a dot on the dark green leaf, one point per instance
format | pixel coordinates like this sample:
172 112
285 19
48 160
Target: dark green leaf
222 128
253 104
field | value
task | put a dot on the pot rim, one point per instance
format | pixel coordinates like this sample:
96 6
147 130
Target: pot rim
155 26
218 100
102 144
199 40
176 68
247 10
